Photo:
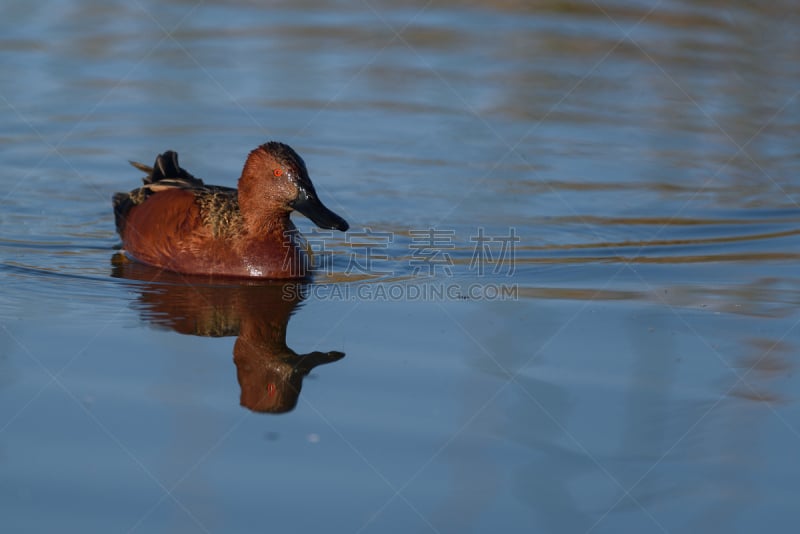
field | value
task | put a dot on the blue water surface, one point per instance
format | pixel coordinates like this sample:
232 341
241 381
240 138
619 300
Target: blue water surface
568 301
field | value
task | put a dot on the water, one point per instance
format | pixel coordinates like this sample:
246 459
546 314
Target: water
638 375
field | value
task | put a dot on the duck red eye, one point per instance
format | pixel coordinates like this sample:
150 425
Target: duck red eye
278 172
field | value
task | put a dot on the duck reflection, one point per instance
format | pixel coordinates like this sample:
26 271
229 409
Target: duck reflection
270 374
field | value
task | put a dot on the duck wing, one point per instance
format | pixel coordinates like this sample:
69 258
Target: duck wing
165 174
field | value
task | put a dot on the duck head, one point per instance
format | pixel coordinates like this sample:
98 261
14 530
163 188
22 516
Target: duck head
275 180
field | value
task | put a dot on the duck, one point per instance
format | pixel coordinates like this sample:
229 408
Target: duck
176 222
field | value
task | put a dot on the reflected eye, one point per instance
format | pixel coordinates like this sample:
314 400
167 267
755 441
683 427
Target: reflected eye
278 172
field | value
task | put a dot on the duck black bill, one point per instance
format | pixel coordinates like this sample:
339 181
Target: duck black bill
310 206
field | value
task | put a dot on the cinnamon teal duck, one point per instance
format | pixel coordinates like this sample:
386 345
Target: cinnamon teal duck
177 222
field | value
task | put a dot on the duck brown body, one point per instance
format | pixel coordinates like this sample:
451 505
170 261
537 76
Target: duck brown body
176 222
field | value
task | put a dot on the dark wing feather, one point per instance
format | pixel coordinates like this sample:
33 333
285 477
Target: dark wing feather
166 167
166 173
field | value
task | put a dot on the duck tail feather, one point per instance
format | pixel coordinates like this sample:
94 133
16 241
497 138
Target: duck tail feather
166 167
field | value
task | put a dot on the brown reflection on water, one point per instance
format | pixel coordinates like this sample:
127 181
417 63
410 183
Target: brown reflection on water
765 361
270 374
648 250
763 297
